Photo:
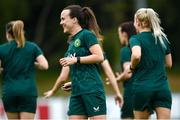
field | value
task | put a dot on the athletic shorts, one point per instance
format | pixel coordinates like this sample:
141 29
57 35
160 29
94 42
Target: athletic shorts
20 103
91 104
151 100
127 108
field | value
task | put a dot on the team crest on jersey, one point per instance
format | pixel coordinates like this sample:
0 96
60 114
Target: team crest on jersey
77 42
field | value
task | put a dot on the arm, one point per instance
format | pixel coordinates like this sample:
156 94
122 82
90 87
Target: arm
124 75
135 56
96 56
41 62
109 73
168 61
62 77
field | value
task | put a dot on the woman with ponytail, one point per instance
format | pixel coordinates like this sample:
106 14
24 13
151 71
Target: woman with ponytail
18 58
150 56
81 61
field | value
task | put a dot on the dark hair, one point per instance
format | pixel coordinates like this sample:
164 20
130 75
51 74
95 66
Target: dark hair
129 28
86 18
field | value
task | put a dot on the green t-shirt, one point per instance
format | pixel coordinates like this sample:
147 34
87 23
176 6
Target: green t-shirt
125 56
150 73
85 77
18 65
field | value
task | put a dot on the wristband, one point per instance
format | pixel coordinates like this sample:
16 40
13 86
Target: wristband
78 60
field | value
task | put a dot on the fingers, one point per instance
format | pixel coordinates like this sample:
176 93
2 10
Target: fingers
63 62
117 73
47 94
119 101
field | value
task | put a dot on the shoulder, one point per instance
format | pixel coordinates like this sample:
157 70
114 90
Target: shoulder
87 32
7 44
32 44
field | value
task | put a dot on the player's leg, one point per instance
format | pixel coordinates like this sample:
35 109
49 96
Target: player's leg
77 117
27 106
141 114
142 105
10 106
76 108
163 113
95 105
163 104
11 115
27 115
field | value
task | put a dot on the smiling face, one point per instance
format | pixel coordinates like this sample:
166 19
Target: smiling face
66 21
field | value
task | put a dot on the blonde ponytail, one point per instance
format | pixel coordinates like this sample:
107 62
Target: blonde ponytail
18 32
150 17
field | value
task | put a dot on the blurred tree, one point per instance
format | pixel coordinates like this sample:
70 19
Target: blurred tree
42 19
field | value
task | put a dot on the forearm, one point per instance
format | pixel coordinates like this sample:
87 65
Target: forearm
91 59
114 85
134 61
58 84
62 77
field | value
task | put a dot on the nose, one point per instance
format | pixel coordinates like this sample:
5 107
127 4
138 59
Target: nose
61 22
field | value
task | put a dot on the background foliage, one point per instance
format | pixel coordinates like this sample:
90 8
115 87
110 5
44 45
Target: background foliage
42 19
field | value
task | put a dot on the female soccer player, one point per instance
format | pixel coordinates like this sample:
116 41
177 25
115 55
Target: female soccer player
150 53
18 58
81 61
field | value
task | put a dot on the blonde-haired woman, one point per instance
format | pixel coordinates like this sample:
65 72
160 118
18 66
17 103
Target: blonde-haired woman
18 58
150 54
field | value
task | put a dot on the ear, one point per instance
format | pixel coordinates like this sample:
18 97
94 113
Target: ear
75 20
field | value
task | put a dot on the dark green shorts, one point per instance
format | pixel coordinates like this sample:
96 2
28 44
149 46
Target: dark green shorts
127 108
88 104
152 99
20 103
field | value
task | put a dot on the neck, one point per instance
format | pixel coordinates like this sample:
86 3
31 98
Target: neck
145 30
75 30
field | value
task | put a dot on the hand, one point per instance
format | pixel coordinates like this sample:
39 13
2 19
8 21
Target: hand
66 87
48 94
119 100
118 76
68 60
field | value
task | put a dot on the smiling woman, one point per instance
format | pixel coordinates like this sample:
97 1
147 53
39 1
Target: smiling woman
81 61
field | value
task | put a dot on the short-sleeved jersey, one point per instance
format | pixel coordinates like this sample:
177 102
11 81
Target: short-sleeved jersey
85 77
125 56
18 68
150 73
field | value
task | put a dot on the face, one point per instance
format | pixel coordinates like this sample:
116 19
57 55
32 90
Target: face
123 37
66 21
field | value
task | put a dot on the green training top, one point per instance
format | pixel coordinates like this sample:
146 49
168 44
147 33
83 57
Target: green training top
18 65
125 56
150 73
85 77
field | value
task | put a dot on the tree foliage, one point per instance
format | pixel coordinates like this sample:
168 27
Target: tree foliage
42 18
